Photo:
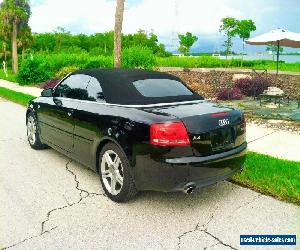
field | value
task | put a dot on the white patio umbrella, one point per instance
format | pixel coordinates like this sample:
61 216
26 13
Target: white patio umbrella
278 37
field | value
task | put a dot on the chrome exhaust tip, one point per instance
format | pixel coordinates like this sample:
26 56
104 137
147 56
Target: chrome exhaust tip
189 188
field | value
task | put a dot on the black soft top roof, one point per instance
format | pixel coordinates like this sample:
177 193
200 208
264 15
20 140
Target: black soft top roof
118 88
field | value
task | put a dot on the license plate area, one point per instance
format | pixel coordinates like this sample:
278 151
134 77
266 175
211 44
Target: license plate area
222 138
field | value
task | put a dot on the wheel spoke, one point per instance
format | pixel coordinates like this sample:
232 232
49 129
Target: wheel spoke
119 179
113 185
116 162
106 174
33 128
29 127
108 159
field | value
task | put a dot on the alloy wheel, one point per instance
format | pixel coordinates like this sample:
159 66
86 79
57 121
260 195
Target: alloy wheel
31 130
112 172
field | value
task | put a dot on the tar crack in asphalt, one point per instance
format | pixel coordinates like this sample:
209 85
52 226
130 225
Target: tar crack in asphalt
83 195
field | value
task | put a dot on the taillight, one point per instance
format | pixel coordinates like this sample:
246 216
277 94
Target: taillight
169 134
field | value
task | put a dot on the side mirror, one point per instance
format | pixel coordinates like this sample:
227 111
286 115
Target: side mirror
47 93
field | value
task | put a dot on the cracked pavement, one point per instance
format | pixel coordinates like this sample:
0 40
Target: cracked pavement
49 201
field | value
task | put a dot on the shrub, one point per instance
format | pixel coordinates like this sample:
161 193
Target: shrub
72 50
65 70
55 62
32 70
99 62
50 65
230 94
51 83
138 57
252 86
100 51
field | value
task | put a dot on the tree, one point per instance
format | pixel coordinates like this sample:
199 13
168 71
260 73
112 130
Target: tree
25 41
118 33
103 42
144 39
14 16
273 49
186 42
4 41
61 35
161 51
244 29
152 42
97 44
229 27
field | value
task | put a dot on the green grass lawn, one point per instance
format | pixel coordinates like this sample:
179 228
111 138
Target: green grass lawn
214 62
14 96
271 176
11 77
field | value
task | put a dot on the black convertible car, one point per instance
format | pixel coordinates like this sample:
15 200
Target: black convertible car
140 130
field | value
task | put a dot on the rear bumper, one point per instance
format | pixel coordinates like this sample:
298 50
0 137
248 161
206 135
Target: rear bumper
174 174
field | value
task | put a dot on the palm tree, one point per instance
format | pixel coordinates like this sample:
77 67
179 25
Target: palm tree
25 41
14 15
4 40
118 32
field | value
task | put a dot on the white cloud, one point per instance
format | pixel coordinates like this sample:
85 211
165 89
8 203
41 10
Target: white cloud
201 17
80 16
190 15
98 15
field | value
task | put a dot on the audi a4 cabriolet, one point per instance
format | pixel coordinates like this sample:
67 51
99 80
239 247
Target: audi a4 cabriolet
140 130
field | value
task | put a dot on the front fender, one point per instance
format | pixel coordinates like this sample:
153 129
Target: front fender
30 109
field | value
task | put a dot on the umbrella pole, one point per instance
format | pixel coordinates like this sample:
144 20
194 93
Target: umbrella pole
277 56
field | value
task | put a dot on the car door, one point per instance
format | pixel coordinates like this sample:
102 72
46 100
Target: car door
57 115
88 121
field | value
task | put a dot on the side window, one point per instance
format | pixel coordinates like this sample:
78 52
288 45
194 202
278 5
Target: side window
73 87
94 91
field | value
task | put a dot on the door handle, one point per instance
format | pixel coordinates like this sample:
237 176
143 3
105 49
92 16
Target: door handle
57 102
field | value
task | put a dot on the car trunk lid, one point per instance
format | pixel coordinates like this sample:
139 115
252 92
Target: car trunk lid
211 128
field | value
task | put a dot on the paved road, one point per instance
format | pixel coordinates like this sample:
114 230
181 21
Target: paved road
50 202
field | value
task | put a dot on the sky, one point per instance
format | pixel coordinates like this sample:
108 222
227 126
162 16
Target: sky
166 18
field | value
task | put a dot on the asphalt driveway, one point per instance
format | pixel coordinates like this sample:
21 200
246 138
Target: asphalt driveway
50 202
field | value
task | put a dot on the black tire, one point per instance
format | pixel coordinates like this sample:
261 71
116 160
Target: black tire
36 142
128 190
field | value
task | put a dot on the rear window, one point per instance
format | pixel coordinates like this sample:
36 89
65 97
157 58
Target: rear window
161 88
